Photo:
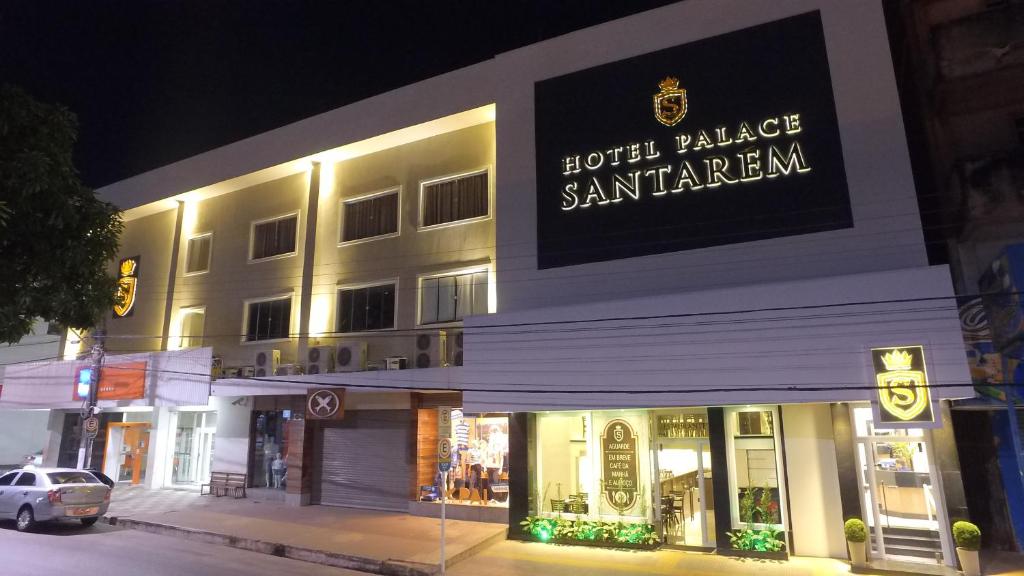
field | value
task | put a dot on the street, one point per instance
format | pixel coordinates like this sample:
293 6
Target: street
68 548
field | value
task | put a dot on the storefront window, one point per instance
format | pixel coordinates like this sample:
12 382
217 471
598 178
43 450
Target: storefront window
594 465
270 449
754 479
479 473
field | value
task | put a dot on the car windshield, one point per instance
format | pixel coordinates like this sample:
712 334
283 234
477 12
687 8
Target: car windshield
72 477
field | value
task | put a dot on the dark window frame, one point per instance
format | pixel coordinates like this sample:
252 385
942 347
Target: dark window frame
269 312
457 202
267 239
369 200
19 482
13 475
453 279
366 293
188 254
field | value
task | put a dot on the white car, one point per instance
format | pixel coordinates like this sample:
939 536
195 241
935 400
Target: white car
33 495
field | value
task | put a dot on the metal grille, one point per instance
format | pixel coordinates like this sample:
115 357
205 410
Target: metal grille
364 462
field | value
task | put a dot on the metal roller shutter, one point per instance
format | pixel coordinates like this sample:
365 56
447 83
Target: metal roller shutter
364 461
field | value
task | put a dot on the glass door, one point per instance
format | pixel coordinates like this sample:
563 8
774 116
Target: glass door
899 492
682 458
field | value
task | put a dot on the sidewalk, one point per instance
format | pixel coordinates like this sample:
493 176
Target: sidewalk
367 540
395 543
510 558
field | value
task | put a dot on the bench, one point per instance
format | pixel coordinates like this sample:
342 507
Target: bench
223 482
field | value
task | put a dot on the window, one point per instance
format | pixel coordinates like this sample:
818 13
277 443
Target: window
454 199
192 324
26 479
274 237
452 298
366 308
755 477
197 259
268 319
72 478
370 216
6 479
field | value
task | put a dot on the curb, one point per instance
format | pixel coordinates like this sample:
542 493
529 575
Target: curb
337 560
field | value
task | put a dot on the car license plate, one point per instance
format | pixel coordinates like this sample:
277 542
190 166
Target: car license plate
83 511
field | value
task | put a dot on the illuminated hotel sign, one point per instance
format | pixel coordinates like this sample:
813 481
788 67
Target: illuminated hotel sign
127 286
902 380
725 140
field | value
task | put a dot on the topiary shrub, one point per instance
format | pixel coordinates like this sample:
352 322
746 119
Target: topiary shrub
855 530
967 535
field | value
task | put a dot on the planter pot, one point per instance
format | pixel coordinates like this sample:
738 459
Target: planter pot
753 554
858 553
969 562
593 543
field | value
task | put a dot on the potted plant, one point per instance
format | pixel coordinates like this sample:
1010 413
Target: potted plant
856 536
968 541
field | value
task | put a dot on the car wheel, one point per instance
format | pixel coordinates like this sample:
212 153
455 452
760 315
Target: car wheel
26 519
89 521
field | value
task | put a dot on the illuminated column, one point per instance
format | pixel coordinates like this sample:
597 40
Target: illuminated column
308 253
172 273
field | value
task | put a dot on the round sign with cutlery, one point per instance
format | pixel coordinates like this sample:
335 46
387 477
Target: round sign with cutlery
323 403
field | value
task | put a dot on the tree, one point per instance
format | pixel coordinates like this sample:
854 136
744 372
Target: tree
56 237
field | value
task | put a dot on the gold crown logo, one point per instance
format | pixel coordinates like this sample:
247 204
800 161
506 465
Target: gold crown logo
128 267
897 360
669 83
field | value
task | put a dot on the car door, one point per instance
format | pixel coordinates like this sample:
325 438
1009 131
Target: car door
7 494
24 489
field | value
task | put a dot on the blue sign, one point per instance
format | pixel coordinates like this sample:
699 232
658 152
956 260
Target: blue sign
444 466
84 381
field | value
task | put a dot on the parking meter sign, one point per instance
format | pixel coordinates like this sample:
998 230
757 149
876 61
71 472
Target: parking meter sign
92 426
444 454
444 421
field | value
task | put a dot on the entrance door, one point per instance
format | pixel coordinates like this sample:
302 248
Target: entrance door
132 454
687 501
900 494
204 456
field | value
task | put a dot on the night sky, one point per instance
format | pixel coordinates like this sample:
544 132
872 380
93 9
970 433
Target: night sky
155 82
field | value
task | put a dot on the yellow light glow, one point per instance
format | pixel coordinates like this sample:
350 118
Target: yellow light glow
465 119
492 291
72 345
326 179
319 309
174 333
189 219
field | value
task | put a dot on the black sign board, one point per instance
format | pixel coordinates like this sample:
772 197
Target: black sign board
729 139
619 459
902 380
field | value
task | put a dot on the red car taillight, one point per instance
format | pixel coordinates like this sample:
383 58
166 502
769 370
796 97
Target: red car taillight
106 497
54 496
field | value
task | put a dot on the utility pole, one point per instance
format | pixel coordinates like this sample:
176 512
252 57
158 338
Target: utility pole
88 413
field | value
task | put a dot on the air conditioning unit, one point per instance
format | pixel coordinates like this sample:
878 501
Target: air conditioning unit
288 370
396 363
350 356
320 360
266 362
455 347
247 371
431 349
